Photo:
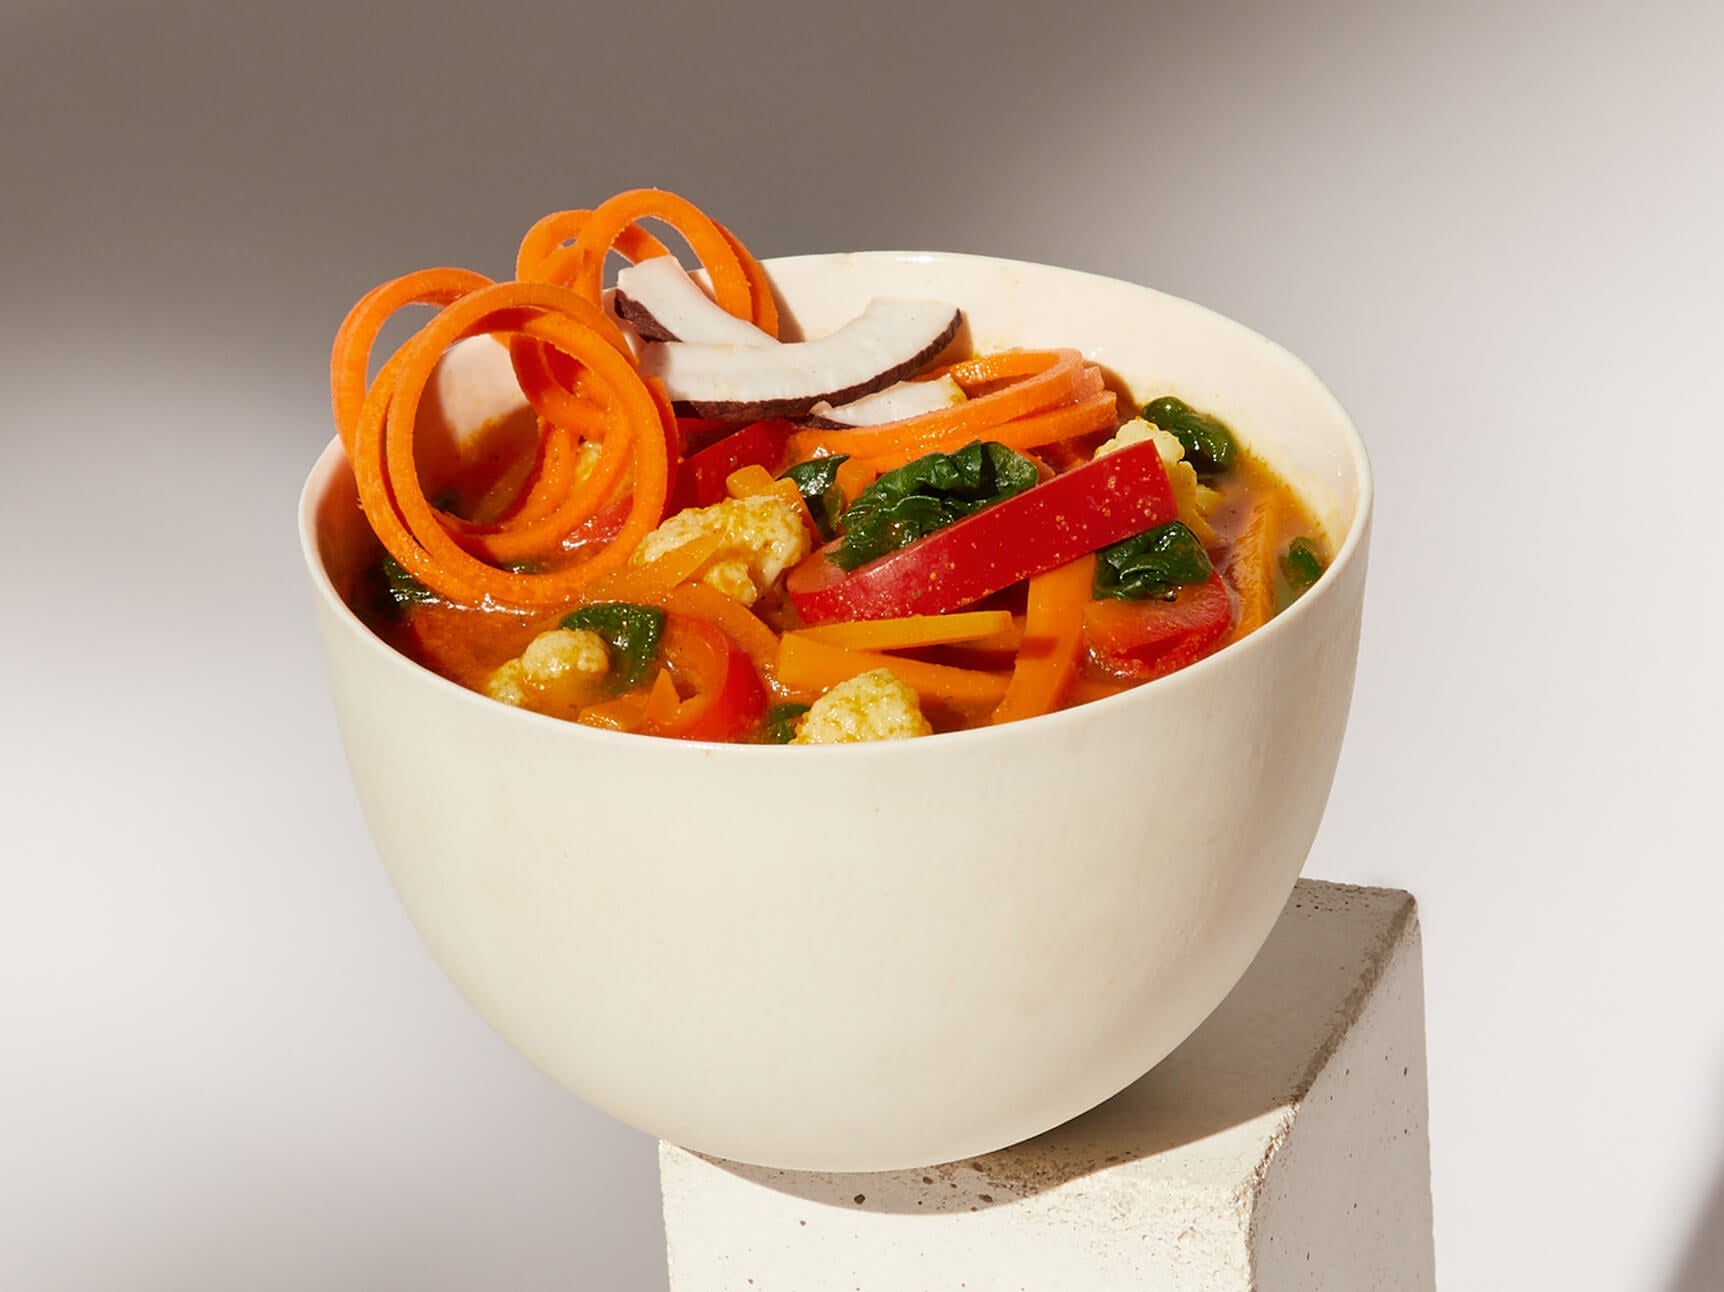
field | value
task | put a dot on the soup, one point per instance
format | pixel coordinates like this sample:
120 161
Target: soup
671 522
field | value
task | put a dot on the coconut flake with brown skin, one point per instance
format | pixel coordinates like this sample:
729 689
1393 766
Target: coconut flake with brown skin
662 303
888 341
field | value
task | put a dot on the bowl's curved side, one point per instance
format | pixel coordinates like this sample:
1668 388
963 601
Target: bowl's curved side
877 956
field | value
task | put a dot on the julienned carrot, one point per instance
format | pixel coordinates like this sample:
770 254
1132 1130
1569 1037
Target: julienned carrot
1053 641
350 358
911 632
1037 380
808 665
1251 567
417 535
1052 426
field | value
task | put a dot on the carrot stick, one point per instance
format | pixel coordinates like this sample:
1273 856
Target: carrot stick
1251 566
911 631
1067 422
1053 641
808 665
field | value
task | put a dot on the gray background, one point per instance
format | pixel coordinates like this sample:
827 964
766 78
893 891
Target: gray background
225 1060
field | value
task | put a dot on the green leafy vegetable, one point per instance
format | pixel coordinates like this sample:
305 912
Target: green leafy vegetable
1152 565
632 633
929 494
1301 565
1209 445
779 725
817 479
404 589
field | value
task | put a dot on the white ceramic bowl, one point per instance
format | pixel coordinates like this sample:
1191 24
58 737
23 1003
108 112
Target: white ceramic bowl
878 956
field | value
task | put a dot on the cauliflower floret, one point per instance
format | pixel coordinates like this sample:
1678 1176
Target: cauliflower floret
507 685
554 662
870 706
1195 501
763 537
565 653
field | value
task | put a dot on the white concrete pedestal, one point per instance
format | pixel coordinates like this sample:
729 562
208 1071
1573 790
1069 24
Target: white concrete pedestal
1282 1148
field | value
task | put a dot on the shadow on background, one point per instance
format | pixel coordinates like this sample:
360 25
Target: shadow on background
1702 1268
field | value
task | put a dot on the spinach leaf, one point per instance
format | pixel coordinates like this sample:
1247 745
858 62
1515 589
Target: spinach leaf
929 494
632 633
1152 565
1209 445
404 589
779 726
817 479
1302 565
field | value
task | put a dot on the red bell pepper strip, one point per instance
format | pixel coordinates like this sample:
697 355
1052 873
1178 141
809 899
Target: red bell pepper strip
1049 524
1140 640
726 700
700 479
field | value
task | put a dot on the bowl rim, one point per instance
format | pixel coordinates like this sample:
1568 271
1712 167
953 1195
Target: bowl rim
327 468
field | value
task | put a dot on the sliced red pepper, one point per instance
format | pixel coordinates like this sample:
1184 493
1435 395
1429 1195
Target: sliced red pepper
1049 524
700 478
725 699
1140 640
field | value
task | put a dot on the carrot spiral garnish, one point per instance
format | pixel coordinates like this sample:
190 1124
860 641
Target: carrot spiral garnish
437 547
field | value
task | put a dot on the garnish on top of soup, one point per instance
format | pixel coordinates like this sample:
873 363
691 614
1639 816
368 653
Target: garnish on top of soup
672 523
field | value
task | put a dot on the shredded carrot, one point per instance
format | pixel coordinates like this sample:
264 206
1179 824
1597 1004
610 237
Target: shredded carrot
354 339
425 540
1251 566
808 665
1053 640
911 632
